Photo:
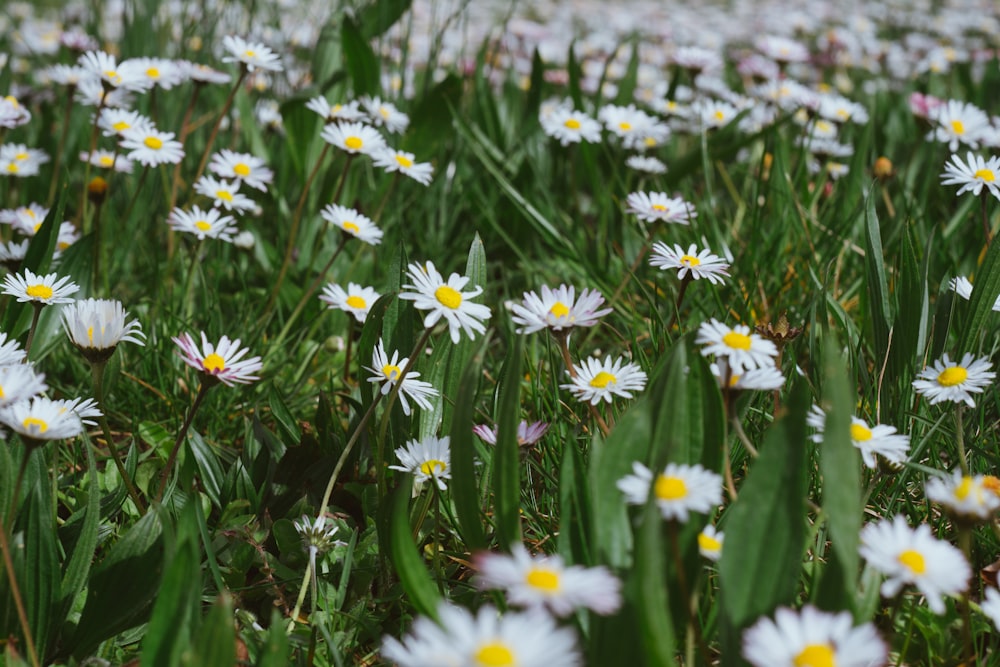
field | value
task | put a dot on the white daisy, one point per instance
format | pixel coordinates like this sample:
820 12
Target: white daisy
12 254
966 497
403 162
957 122
332 113
991 605
13 113
946 380
97 326
10 351
354 138
41 419
813 638
385 114
150 72
352 222
427 460
203 224
714 114
244 167
698 263
677 491
445 299
151 147
710 542
871 440
963 287
527 434
649 165
223 361
202 74
224 193
558 309
389 372
654 206
356 300
114 122
914 556
546 582
21 161
20 382
766 378
973 175
570 127
252 55
742 350
104 66
104 159
46 290
595 381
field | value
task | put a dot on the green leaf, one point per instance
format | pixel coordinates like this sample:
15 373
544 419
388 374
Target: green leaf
275 653
301 130
122 587
75 576
37 259
41 574
413 575
839 465
506 458
430 122
360 59
765 529
984 293
209 468
574 508
289 427
378 16
215 645
464 488
651 590
878 290
327 53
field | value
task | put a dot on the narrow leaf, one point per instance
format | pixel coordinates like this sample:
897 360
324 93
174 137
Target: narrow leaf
506 462
413 575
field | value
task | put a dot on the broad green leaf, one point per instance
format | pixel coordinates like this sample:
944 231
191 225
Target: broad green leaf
326 56
360 59
506 458
289 428
75 575
413 575
652 593
765 529
40 576
878 290
463 485
275 653
574 508
301 129
209 469
215 644
379 15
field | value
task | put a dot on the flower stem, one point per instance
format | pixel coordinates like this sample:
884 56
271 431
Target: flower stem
960 439
165 475
685 281
86 168
189 279
97 371
38 305
564 348
218 123
692 625
15 593
985 217
965 544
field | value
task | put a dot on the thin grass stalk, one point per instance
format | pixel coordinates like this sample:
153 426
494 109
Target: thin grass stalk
86 167
15 593
97 372
206 384
218 123
60 149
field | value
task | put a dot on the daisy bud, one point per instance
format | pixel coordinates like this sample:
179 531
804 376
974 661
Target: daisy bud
97 190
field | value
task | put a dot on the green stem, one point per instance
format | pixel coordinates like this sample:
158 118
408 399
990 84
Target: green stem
308 293
15 593
692 625
301 598
165 475
135 195
986 220
561 339
189 279
37 305
960 439
86 167
97 371
218 123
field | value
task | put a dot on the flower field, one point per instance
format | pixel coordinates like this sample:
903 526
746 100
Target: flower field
444 334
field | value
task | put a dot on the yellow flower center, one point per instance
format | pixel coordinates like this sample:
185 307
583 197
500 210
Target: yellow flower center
351 227
495 654
203 225
625 126
21 157
37 226
690 260
13 168
153 73
913 560
708 543
39 291
90 335
559 309
404 161
335 109
106 160
964 488
650 142
250 53
958 126
860 433
602 380
736 340
153 142
658 207
28 212
391 372
354 143
816 655
35 425
985 175
433 467
1 391
224 195
111 74
670 488
241 169
949 377
448 297
823 126
383 112
213 363
718 115
356 302
572 124
546 580
120 125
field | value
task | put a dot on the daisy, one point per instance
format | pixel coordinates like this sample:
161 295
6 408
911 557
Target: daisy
526 639
546 582
871 440
41 419
202 74
699 263
20 382
973 175
203 224
742 350
317 534
766 378
624 122
649 165
105 67
946 380
558 309
224 193
527 434
151 147
957 122
97 326
332 113
222 362
28 219
966 497
782 49
427 460
21 161
991 606
403 163
678 490
354 138
962 286
12 254
13 113
45 290
445 299
155 72
114 122
568 126
244 167
914 556
104 159
594 381
389 372
84 408
252 55
10 351
653 206
385 114
356 300
352 222
714 114
710 543
813 638
90 92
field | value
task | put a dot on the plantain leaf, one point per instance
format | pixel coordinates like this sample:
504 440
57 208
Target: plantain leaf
360 59
413 575
506 458
215 645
